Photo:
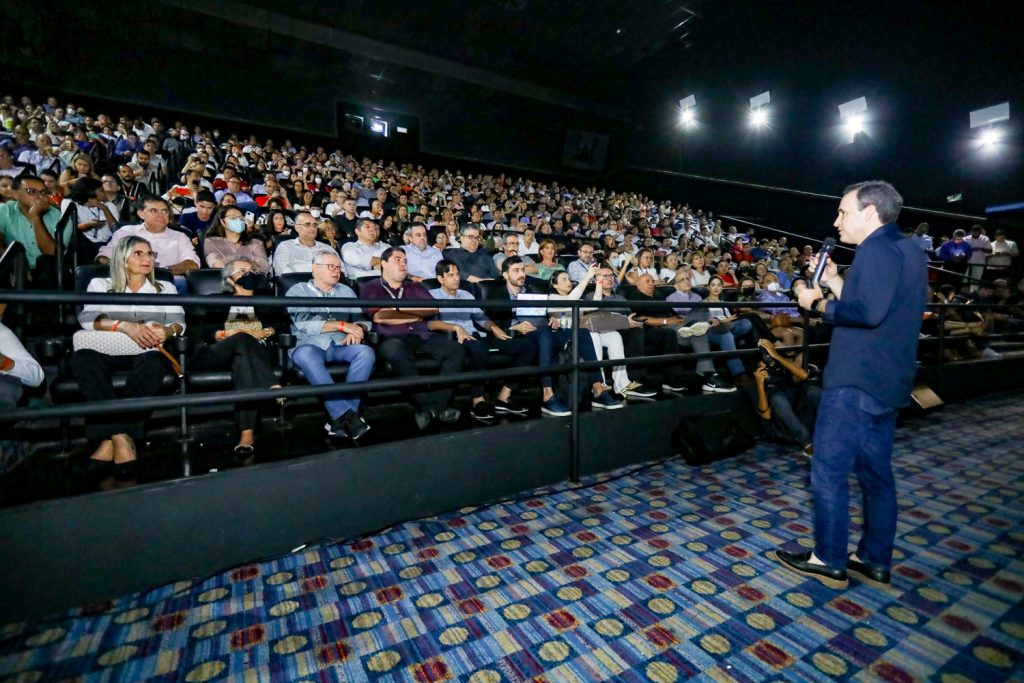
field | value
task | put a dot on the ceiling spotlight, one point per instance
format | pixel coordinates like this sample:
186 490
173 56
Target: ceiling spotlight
759 118
853 115
687 115
854 125
990 137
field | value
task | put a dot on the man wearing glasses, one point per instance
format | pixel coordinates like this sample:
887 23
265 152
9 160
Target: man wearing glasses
296 255
331 335
32 221
173 249
474 263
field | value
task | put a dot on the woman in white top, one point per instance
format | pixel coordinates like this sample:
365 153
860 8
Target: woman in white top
147 327
96 219
529 246
699 274
644 266
561 287
669 266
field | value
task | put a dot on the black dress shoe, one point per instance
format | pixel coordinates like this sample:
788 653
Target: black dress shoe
801 564
354 425
872 572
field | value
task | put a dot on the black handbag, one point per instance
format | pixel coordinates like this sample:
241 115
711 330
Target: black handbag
710 437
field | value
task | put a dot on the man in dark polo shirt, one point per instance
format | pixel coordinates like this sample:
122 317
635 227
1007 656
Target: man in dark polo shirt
474 263
876 315
403 332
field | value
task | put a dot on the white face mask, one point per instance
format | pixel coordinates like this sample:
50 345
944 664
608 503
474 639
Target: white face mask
772 287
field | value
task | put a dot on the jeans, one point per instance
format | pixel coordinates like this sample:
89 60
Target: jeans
550 342
854 432
726 341
312 360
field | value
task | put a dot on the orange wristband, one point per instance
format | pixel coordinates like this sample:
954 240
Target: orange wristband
6 365
114 328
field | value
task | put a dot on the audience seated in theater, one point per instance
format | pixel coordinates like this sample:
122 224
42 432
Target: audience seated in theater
510 247
584 261
784 321
644 265
327 232
478 335
725 327
404 331
231 237
296 255
142 330
422 259
97 219
174 249
362 257
544 330
561 286
239 342
667 333
632 335
548 264
199 219
32 221
474 263
699 274
332 334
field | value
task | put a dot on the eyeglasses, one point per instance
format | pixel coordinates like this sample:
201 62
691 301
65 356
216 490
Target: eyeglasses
333 267
144 254
471 237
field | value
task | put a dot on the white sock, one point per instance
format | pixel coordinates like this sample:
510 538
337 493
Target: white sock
814 560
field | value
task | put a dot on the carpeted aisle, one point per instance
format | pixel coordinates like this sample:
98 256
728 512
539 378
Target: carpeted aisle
660 575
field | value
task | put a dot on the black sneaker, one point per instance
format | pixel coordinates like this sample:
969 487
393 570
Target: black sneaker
716 385
509 406
482 411
637 390
354 425
673 385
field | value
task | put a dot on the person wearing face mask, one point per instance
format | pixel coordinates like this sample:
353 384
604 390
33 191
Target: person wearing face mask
239 343
230 237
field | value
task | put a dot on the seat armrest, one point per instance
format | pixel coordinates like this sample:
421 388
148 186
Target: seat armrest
179 344
286 340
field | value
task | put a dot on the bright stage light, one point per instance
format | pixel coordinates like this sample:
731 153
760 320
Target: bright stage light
854 125
990 136
759 118
687 117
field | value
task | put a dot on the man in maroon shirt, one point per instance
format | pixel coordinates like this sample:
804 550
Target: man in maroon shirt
403 332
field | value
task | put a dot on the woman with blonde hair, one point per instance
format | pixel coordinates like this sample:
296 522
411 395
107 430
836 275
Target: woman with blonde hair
81 166
147 327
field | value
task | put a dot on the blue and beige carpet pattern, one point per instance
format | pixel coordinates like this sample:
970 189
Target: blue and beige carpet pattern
660 575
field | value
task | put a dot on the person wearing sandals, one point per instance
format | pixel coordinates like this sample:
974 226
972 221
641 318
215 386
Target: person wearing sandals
132 265
239 342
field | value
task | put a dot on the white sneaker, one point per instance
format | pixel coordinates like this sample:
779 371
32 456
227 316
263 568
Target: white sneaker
990 353
694 330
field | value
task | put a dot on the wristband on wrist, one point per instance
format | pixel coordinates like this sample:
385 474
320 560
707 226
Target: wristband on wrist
341 326
6 365
114 328
814 304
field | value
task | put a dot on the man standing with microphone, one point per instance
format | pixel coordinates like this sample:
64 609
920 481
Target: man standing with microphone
876 315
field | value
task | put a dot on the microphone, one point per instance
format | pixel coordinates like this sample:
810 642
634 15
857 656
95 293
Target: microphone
827 247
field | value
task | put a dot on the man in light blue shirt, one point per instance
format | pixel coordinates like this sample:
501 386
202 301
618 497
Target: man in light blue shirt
420 256
330 335
469 326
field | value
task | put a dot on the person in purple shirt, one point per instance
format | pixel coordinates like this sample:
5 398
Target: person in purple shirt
403 331
876 317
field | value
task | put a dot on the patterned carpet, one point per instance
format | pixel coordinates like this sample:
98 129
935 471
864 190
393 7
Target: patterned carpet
658 575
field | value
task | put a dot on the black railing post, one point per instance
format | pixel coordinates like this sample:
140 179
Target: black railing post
806 345
942 338
69 216
574 397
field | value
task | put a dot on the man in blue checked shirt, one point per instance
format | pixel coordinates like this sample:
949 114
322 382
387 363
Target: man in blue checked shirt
330 335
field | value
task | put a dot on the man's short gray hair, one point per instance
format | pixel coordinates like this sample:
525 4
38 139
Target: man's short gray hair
469 227
320 252
886 200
